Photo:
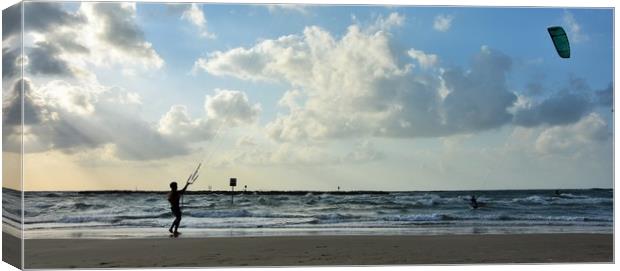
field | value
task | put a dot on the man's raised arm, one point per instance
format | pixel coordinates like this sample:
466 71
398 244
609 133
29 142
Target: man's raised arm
184 188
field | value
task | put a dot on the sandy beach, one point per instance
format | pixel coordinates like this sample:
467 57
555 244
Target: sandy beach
318 250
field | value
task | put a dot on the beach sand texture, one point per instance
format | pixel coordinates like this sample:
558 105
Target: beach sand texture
317 250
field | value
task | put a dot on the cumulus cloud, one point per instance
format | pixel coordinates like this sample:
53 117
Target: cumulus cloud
74 118
354 86
574 28
443 22
32 105
302 9
386 23
11 43
225 109
10 62
178 123
605 97
67 43
195 15
42 17
479 98
45 16
566 105
560 109
71 118
43 59
11 21
425 60
575 138
115 29
231 106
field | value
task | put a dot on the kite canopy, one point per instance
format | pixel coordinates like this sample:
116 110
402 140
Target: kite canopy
560 41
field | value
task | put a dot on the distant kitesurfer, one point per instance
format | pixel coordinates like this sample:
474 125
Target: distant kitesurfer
473 202
174 196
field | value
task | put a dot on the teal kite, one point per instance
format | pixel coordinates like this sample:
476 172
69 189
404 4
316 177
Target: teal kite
560 41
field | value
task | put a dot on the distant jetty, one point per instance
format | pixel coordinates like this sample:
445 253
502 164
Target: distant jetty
224 192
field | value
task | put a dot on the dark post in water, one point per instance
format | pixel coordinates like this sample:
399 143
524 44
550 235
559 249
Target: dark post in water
233 183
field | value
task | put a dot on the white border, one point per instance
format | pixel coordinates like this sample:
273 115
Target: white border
504 3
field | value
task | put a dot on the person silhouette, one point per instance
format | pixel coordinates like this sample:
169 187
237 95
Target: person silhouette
174 197
473 202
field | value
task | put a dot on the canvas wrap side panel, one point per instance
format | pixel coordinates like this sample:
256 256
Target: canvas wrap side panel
12 122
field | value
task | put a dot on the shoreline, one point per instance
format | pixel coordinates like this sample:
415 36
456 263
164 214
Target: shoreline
156 233
318 250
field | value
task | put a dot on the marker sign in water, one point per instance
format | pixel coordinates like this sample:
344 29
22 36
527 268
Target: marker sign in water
233 183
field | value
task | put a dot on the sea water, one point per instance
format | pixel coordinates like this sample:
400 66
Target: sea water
147 214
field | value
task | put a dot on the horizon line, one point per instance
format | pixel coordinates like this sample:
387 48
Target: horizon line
307 191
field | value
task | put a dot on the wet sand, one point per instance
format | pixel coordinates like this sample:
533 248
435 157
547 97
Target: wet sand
318 250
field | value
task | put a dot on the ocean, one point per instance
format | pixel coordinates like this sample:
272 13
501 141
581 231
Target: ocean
147 214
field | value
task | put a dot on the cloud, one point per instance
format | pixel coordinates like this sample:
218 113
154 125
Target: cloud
74 118
43 59
116 30
574 28
10 62
68 43
479 98
43 17
354 87
363 151
178 123
225 109
567 105
11 21
534 88
246 141
605 97
290 99
425 60
386 24
443 22
195 15
231 106
238 62
560 109
575 138
32 105
302 9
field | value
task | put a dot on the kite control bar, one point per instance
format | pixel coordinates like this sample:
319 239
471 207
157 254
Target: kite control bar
194 176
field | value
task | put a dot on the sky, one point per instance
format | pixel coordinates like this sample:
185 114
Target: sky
303 97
